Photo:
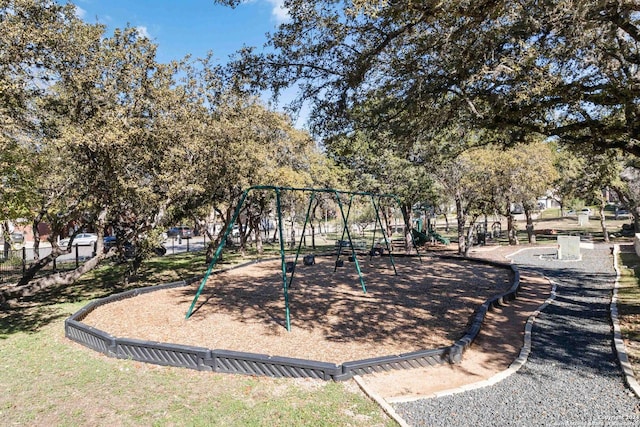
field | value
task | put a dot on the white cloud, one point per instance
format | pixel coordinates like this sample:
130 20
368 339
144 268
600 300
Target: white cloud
279 12
80 12
142 30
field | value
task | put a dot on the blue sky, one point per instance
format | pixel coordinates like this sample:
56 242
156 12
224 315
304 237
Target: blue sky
181 27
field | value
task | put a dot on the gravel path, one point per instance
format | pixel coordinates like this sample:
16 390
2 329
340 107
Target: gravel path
572 377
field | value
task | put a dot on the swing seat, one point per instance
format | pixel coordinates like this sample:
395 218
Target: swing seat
290 266
340 263
309 259
376 251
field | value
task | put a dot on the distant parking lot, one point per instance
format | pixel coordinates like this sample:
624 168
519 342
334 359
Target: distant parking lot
86 251
176 244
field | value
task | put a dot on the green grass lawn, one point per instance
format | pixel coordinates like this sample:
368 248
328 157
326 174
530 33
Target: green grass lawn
550 220
49 380
629 306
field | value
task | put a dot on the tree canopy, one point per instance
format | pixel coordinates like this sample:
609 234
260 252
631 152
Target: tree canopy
563 68
97 135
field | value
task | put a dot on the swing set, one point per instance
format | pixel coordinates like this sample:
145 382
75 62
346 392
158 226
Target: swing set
289 267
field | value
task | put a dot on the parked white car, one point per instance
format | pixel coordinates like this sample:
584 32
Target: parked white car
17 237
81 239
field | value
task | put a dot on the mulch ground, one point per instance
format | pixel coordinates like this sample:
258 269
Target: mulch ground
427 305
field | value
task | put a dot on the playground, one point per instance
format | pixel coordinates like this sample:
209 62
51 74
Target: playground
426 306
348 308
414 314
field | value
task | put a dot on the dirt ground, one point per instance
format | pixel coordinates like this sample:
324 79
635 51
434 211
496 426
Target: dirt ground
427 305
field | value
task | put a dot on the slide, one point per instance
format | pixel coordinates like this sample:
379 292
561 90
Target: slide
421 238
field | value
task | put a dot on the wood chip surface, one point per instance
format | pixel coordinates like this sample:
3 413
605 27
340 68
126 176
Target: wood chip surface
427 305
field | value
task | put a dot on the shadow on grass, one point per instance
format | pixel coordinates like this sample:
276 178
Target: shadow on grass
27 319
29 314
32 313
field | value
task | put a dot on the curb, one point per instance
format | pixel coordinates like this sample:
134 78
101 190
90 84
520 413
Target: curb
621 349
380 401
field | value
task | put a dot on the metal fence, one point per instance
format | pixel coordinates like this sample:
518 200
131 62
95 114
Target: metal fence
14 262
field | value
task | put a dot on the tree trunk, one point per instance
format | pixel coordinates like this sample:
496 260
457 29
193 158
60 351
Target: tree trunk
30 273
292 245
60 279
313 235
632 204
211 247
462 219
204 229
531 236
603 224
512 231
133 268
244 234
469 237
313 229
6 239
406 212
511 226
28 287
256 230
387 223
36 235
225 223
57 251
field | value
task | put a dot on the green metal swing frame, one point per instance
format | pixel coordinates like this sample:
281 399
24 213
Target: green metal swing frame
286 285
